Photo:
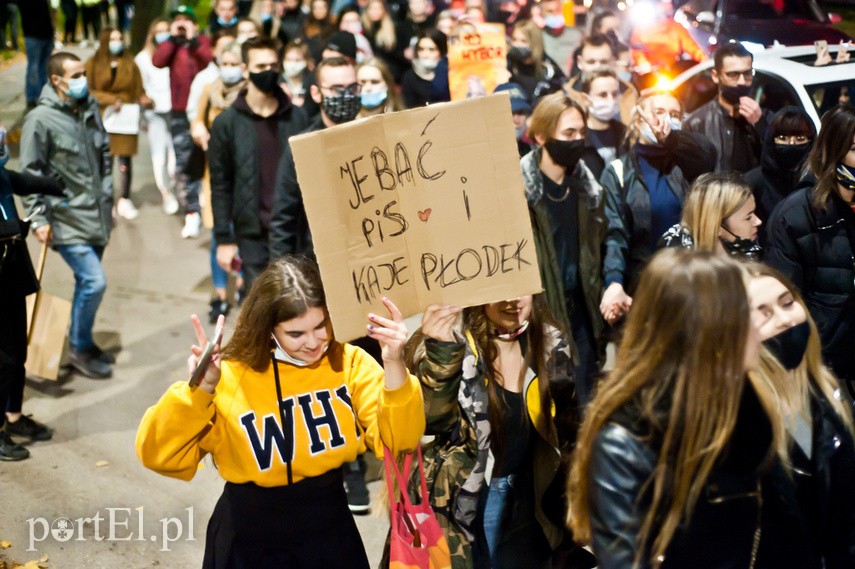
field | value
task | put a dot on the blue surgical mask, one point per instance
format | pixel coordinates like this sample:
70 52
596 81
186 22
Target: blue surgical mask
266 17
646 133
555 21
625 75
231 74
373 100
116 47
676 124
78 88
161 37
225 24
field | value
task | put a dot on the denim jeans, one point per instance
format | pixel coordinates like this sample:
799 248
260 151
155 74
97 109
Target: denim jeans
38 53
89 286
218 275
494 510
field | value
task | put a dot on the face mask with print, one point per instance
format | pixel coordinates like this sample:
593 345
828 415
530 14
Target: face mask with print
373 100
161 37
77 88
554 22
231 74
846 176
293 68
604 109
116 47
343 107
741 247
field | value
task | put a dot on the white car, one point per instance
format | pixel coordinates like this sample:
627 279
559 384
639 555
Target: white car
782 76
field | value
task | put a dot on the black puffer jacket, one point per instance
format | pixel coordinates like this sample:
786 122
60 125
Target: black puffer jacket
814 249
233 157
724 524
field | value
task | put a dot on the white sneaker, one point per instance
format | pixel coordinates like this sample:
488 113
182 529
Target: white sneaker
125 208
170 204
192 223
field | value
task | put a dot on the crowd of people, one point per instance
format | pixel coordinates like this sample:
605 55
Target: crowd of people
714 248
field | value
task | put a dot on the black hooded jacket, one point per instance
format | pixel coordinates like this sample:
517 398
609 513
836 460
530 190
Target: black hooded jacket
778 174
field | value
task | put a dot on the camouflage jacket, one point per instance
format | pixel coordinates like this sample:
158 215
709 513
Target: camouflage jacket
456 462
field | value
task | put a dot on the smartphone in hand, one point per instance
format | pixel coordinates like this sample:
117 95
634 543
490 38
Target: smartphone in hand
205 358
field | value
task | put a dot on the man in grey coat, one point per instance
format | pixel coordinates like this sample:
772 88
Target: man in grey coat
63 137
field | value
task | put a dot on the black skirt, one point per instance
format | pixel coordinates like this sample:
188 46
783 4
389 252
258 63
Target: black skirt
302 525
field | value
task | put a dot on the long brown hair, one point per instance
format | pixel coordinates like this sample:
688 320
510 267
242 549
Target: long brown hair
671 366
102 55
794 387
288 287
836 134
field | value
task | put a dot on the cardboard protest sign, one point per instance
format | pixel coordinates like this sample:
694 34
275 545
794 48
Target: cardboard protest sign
477 60
422 206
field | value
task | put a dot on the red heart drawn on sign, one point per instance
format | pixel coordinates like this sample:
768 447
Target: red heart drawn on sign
424 215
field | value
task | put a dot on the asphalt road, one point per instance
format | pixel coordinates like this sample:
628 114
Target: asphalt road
88 474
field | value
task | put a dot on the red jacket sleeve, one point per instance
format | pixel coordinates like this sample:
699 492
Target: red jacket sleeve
202 52
163 54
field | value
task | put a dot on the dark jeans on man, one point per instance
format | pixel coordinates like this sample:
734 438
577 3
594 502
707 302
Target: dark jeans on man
587 368
38 53
13 352
69 10
254 254
8 18
188 192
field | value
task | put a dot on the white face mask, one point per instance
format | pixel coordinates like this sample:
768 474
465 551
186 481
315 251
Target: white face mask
280 354
646 134
604 109
676 124
293 68
429 64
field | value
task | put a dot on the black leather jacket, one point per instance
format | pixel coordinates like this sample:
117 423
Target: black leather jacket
742 490
709 120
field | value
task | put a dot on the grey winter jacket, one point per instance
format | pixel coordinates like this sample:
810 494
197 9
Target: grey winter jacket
71 146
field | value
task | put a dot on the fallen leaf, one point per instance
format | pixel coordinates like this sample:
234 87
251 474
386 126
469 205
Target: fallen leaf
5 544
102 463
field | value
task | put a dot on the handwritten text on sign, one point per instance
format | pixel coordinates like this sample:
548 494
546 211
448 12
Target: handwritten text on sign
423 206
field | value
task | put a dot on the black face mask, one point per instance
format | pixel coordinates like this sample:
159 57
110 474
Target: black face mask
791 156
519 54
565 152
789 346
343 107
742 248
266 81
733 94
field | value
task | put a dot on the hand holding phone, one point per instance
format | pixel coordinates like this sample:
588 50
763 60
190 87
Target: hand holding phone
207 352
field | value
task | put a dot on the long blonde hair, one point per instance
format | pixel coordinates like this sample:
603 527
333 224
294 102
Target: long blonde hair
535 42
385 36
712 199
673 368
794 386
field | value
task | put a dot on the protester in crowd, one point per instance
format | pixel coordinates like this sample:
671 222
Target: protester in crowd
679 460
818 417
810 236
63 137
601 93
419 19
246 29
606 23
156 85
224 16
378 94
497 383
17 281
559 39
382 34
185 53
291 19
566 204
275 513
624 67
733 121
38 43
297 69
598 53
645 191
318 27
337 92
660 42
349 20
718 217
446 21
431 47
215 98
340 44
530 67
782 160
243 178
520 111
115 80
264 13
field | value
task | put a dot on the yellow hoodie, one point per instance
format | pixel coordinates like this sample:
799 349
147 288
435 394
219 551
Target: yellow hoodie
240 424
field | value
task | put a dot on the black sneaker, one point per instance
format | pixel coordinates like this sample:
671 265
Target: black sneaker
101 355
218 307
240 295
10 450
354 484
88 365
28 427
